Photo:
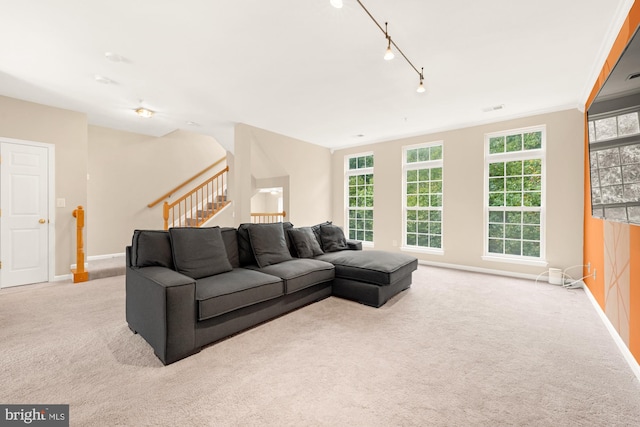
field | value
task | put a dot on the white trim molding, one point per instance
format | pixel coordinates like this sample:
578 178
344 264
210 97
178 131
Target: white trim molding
626 353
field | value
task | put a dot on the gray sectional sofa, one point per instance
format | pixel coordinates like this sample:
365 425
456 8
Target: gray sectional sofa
189 287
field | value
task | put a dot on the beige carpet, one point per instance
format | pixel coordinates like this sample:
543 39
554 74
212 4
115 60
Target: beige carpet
457 349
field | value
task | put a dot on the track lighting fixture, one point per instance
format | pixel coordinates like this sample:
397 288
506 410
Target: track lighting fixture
389 53
421 88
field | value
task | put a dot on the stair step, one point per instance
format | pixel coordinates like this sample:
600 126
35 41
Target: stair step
108 267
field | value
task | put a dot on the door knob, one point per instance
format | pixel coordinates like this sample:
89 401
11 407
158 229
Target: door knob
42 221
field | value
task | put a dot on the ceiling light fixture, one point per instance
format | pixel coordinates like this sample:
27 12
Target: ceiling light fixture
389 53
144 112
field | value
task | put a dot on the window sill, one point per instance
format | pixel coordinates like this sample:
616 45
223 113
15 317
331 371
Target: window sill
514 260
417 249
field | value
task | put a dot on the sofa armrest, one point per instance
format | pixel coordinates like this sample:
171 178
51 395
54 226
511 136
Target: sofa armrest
161 307
354 245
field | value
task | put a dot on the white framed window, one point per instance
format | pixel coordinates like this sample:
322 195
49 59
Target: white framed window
359 191
422 180
514 199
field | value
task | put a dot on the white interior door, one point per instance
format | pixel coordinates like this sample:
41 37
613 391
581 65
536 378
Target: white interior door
24 220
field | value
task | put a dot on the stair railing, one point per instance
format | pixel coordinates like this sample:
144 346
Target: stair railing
198 205
173 190
267 217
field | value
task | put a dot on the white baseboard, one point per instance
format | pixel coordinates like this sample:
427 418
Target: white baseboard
626 353
62 277
479 270
107 256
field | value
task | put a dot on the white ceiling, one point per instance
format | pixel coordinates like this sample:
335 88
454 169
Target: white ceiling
303 68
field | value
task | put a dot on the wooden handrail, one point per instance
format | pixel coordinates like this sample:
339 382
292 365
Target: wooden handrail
266 217
198 205
79 274
173 190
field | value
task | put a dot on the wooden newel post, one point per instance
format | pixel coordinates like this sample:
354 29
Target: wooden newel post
165 215
79 274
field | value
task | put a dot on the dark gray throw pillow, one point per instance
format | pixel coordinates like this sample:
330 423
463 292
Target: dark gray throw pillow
269 244
151 248
199 252
333 239
305 242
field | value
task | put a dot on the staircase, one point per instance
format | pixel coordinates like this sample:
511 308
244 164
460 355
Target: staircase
198 205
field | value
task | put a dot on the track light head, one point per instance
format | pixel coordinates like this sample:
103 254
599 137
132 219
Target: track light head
421 88
388 55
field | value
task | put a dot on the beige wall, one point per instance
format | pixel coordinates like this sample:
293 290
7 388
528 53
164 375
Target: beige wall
269 157
464 191
67 130
128 171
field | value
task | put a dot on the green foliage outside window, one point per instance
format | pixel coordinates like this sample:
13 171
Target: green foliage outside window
423 193
360 199
515 197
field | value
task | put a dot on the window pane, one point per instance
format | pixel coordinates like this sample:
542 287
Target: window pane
514 168
513 199
531 249
496 184
496 145
531 218
514 184
496 169
533 167
514 143
423 240
412 156
606 128
353 163
412 176
514 217
512 231
512 247
412 201
532 199
496 246
435 153
532 183
532 141
412 215
435 242
496 230
435 216
496 199
412 226
369 161
628 124
423 154
436 174
531 232
496 216
423 215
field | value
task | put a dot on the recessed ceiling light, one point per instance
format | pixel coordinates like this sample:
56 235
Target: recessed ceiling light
190 123
103 79
144 112
336 3
114 57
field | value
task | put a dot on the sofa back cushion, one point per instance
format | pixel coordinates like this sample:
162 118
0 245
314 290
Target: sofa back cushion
151 248
269 244
305 243
199 252
230 238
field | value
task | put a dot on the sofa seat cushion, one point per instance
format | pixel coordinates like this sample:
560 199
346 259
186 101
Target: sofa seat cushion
377 267
300 273
235 289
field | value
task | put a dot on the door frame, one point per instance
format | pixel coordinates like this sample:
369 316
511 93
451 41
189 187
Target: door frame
51 186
